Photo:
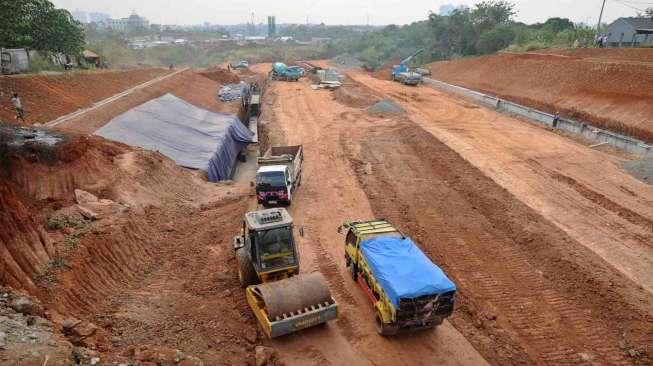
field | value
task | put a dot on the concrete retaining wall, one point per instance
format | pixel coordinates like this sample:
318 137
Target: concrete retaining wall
588 131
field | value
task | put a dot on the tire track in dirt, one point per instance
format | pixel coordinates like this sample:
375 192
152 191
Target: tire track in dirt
330 195
608 204
487 257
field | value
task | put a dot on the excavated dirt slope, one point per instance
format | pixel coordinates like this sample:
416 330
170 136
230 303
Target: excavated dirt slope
189 85
608 88
169 241
46 97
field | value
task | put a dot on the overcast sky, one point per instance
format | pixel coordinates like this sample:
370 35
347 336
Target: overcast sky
337 11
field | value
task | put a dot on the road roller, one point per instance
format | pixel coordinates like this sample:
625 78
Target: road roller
268 268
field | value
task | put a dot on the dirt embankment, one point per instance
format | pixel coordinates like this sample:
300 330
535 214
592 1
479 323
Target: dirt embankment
169 241
607 88
189 85
46 97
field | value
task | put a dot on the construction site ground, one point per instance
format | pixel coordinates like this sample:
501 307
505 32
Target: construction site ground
607 88
548 241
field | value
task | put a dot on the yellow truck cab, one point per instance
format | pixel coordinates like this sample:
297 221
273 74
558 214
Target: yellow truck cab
408 291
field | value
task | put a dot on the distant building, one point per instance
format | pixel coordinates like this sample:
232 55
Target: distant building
134 22
98 17
447 9
80 16
630 32
321 40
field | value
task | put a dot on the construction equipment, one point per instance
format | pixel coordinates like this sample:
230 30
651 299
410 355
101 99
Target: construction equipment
283 301
408 291
242 64
281 71
279 174
404 74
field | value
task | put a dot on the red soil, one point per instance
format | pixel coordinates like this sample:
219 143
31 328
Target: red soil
607 88
221 75
188 85
46 97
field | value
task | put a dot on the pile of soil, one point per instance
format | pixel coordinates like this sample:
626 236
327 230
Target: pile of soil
614 94
385 71
355 95
221 75
386 106
46 97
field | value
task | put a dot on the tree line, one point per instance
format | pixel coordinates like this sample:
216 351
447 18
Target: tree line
39 25
486 28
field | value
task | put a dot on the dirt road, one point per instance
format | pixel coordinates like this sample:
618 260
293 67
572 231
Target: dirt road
581 190
530 291
330 194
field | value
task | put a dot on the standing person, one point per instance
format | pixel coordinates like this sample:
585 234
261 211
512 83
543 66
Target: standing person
556 119
20 113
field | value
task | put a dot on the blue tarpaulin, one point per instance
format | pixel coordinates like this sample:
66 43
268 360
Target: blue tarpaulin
403 270
193 137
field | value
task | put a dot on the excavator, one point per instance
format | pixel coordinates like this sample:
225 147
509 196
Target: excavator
403 74
282 300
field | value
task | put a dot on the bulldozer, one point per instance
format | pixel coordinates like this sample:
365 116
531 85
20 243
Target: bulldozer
282 300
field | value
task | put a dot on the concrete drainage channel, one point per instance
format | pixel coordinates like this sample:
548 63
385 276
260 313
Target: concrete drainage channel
588 131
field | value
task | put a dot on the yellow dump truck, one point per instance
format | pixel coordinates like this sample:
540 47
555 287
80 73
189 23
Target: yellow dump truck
282 300
408 291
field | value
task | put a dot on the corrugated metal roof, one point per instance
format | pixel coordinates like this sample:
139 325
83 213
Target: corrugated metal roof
638 23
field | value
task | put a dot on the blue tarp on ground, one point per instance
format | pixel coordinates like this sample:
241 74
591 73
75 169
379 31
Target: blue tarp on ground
193 137
403 270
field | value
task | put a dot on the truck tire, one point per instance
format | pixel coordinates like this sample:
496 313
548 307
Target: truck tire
246 273
353 268
382 328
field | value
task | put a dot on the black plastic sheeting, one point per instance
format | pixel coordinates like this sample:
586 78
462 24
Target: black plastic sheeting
193 137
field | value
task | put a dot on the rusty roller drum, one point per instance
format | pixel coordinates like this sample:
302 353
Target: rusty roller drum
294 295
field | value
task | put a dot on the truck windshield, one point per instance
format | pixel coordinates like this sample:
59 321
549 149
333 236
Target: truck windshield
276 248
272 179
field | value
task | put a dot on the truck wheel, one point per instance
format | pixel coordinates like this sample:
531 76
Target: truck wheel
246 273
354 271
382 328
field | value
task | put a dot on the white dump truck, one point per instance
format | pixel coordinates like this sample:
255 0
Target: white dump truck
279 174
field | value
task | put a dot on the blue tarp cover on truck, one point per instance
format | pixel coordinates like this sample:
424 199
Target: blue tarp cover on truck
403 270
193 137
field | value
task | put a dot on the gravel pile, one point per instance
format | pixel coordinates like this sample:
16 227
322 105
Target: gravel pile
386 106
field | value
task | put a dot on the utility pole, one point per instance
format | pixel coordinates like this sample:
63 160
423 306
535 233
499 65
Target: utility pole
598 26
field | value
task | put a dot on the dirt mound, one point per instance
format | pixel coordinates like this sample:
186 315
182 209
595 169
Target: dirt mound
189 86
355 95
221 75
46 97
386 106
614 94
385 71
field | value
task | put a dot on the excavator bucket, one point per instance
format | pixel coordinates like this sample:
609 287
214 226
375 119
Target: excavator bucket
292 304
